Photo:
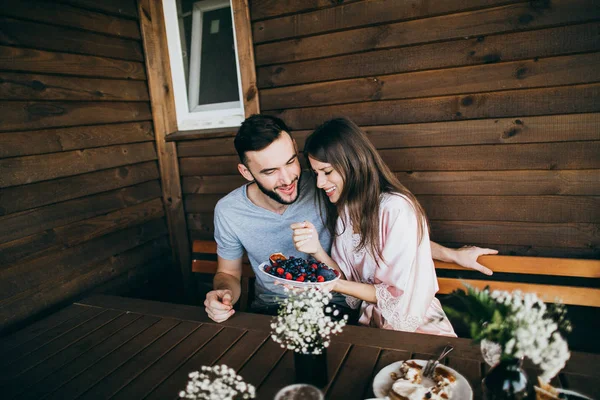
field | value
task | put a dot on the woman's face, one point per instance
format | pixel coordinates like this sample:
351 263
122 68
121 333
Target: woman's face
328 179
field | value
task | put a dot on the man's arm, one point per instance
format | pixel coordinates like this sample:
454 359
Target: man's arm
465 256
227 288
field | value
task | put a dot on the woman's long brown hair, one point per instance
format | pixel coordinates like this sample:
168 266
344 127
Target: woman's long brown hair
341 143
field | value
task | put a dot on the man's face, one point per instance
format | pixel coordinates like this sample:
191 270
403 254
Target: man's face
276 169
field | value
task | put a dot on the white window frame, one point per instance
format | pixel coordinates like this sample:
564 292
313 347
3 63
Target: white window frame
190 115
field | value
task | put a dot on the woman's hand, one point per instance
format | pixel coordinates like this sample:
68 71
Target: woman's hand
306 238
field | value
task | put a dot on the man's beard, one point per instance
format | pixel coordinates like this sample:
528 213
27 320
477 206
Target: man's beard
275 196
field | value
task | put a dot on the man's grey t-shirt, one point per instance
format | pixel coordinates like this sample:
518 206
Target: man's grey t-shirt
241 224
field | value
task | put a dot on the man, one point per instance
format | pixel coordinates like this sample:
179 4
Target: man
257 217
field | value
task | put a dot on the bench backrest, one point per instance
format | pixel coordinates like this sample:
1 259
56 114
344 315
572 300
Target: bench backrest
573 281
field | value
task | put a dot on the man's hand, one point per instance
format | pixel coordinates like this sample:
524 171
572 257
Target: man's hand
467 257
218 305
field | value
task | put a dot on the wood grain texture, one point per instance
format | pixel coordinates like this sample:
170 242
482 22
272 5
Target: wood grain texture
269 8
569 295
24 143
165 122
49 87
48 62
245 55
447 27
29 169
565 70
529 129
21 33
26 115
25 223
22 280
534 156
569 235
69 16
565 182
461 52
509 103
19 198
124 8
357 14
63 237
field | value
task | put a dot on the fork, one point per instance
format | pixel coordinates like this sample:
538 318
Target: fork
431 364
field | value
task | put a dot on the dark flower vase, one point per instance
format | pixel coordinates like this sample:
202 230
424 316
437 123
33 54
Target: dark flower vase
311 368
506 381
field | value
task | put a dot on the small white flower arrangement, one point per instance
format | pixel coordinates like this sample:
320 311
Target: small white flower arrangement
217 383
304 322
520 323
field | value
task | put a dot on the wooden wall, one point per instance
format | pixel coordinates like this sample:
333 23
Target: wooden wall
488 110
80 197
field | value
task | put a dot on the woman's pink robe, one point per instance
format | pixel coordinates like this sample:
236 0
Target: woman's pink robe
405 282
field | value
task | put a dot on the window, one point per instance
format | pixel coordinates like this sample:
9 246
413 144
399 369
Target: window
204 63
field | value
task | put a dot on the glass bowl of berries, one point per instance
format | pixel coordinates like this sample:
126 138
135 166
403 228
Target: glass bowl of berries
298 272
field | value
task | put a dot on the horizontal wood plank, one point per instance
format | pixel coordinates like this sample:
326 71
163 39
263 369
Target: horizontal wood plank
21 115
67 372
551 209
19 198
34 35
25 223
124 8
28 169
60 238
574 182
447 27
80 137
568 235
472 51
15 86
566 182
260 9
48 62
565 70
550 293
509 103
541 156
37 328
547 128
576 240
356 14
21 280
535 266
69 16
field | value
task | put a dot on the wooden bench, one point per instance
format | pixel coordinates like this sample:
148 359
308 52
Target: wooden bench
587 271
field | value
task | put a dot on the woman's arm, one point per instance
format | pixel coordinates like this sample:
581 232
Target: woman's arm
363 291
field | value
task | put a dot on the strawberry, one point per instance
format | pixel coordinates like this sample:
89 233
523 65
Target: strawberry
320 279
279 271
300 279
288 276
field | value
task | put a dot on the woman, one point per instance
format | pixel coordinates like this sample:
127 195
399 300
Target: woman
381 243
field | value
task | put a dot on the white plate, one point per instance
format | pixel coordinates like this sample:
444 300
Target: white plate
288 282
382 383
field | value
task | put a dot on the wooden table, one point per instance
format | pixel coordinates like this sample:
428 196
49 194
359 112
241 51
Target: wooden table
120 348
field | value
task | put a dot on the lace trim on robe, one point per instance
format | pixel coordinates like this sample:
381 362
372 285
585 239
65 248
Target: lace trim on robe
389 306
353 302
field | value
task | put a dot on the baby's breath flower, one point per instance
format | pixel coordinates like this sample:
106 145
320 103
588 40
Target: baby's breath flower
304 323
218 382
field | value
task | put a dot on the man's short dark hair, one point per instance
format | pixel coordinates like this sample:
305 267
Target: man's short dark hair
256 133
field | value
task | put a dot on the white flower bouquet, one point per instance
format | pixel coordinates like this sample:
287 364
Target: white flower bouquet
217 383
305 321
520 323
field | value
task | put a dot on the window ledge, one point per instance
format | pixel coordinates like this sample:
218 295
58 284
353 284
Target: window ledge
201 134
